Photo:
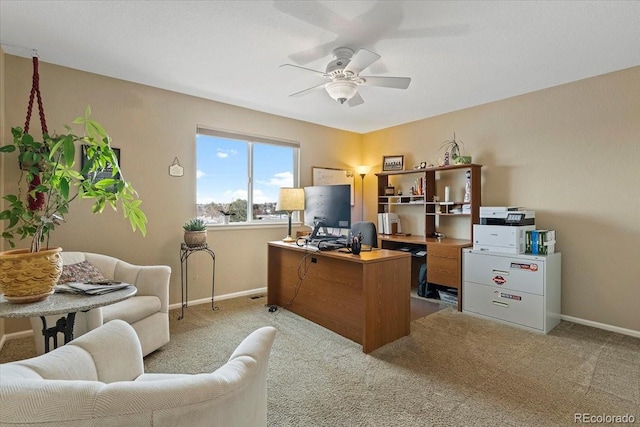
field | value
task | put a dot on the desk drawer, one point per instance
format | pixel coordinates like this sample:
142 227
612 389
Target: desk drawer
513 273
511 306
443 265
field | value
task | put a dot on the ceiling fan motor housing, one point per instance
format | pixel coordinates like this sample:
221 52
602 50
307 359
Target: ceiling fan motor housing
343 57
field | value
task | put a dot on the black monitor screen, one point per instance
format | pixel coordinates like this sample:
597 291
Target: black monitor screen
329 205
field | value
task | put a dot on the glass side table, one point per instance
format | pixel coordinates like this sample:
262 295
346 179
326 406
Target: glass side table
185 252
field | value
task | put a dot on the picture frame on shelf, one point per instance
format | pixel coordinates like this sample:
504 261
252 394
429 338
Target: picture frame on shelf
392 163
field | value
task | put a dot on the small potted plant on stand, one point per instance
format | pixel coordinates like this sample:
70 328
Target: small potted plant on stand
48 183
195 232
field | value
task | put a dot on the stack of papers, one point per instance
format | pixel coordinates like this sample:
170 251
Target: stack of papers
91 288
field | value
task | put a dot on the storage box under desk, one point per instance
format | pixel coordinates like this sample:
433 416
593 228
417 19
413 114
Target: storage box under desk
444 259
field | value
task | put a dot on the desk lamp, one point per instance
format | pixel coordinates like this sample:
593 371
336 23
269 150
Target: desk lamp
290 200
362 170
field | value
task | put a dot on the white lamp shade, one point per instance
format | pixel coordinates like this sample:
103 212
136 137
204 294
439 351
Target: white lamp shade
342 90
363 169
290 199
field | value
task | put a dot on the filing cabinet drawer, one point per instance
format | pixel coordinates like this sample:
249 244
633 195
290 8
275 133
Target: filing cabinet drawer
516 307
521 274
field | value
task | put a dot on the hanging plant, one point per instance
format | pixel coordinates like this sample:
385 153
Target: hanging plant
49 182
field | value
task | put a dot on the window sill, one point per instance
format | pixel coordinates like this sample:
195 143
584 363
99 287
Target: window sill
251 225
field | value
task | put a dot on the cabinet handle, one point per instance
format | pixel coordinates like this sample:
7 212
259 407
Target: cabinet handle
500 303
503 272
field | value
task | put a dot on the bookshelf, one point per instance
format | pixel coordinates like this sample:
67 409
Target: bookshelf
428 200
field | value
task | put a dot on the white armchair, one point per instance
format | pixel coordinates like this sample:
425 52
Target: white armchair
147 311
99 379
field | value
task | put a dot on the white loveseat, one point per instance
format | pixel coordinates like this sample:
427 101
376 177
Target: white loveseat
98 379
147 311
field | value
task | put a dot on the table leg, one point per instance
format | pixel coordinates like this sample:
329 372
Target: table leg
63 325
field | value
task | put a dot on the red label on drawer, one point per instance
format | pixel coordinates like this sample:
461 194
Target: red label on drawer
518 266
510 296
499 280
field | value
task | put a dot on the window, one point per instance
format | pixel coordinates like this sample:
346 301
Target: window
239 176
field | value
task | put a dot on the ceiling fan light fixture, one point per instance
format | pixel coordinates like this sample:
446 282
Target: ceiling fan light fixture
341 90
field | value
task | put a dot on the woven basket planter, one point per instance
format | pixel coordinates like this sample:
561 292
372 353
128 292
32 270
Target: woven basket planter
29 276
195 238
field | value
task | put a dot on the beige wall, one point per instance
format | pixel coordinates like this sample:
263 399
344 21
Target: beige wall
567 152
152 127
2 140
571 153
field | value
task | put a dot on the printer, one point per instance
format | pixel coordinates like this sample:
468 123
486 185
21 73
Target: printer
503 229
506 215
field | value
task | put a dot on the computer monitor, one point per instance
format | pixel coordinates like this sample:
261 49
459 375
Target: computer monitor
327 206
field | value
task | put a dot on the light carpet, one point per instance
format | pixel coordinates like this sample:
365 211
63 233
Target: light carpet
453 370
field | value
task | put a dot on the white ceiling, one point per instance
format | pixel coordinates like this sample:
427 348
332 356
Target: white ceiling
458 53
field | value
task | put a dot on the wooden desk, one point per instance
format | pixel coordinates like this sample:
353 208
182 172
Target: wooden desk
444 259
366 297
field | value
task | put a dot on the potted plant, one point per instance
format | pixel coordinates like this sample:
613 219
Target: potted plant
195 232
225 210
454 152
48 183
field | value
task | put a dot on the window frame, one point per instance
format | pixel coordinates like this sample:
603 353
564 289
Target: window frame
251 140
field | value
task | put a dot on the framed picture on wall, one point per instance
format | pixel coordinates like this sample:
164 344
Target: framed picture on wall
392 163
332 176
103 174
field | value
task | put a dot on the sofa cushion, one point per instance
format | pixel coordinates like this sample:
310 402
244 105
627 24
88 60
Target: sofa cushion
82 272
131 310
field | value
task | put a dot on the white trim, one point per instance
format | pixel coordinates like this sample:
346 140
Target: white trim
232 226
222 297
14 335
599 325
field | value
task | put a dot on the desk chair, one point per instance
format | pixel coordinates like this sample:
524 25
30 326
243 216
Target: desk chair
369 233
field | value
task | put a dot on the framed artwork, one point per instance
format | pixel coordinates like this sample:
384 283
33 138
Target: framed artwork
332 176
105 173
392 163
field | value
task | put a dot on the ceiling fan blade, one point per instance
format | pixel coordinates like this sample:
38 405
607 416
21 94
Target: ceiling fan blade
355 100
361 60
315 13
313 54
307 91
392 82
303 68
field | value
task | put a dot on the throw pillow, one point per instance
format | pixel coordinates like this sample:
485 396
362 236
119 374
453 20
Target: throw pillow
80 272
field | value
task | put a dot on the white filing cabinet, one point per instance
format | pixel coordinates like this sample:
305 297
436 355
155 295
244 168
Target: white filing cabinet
522 290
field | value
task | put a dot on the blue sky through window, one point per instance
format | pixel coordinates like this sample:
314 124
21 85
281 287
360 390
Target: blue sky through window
222 170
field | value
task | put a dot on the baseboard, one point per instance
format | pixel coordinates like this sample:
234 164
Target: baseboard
222 297
14 335
599 325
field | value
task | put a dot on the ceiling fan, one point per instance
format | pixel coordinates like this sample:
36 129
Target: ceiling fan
344 76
